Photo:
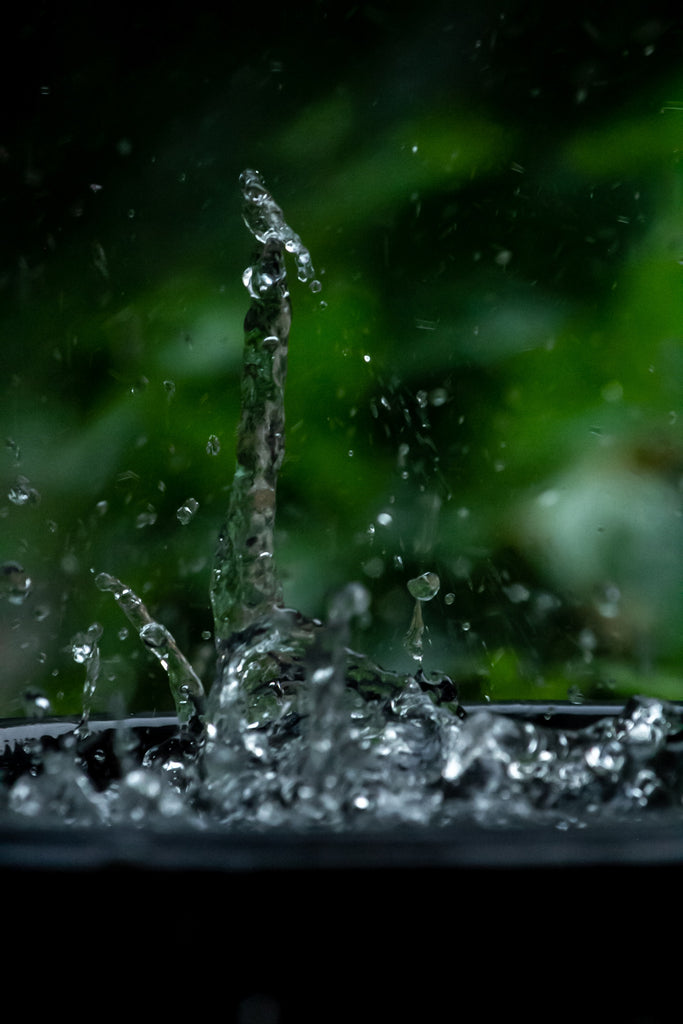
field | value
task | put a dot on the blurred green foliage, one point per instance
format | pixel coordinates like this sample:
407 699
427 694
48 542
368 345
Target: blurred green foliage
488 385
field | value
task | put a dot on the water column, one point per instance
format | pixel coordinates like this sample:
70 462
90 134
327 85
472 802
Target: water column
245 586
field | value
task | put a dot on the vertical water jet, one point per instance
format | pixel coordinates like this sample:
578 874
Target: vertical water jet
246 592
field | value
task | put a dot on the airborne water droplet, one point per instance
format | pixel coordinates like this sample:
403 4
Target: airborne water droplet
22 493
424 587
15 585
146 518
187 511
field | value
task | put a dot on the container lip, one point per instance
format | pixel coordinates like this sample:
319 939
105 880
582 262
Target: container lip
18 730
55 725
467 847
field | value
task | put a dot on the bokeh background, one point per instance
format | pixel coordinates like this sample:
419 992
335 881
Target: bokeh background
488 385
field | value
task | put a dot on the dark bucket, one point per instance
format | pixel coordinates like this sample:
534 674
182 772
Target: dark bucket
408 924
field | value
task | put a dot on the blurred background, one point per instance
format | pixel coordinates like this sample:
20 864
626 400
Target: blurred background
488 386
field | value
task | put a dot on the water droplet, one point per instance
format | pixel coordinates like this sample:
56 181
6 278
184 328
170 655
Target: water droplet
146 518
15 585
187 511
36 704
84 645
608 601
351 602
157 638
613 391
424 587
13 447
258 280
213 445
438 396
517 593
22 493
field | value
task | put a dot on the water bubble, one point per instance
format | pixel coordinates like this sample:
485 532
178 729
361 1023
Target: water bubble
187 511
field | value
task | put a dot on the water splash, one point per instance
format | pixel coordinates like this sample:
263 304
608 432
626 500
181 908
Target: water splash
266 221
186 687
85 650
423 588
299 730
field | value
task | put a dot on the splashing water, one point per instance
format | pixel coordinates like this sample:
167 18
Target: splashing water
423 588
266 221
298 730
